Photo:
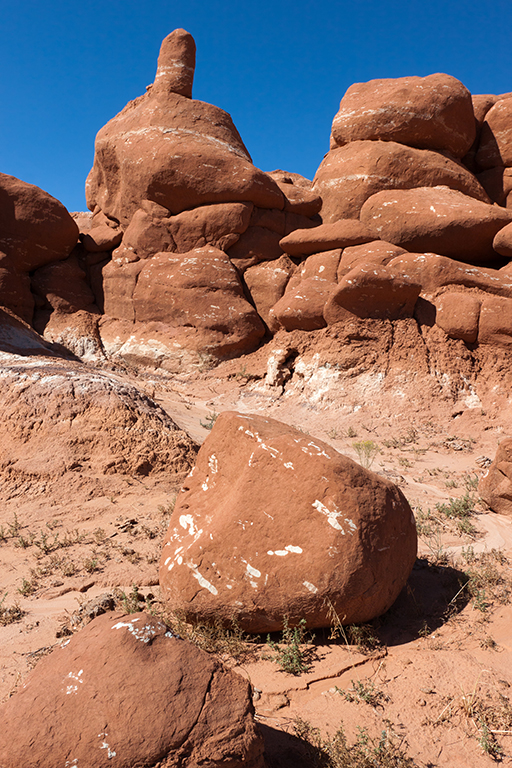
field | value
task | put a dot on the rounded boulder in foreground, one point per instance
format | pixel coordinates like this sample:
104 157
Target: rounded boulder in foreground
125 692
272 522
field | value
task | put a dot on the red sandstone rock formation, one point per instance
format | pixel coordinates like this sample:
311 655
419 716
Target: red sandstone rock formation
125 691
35 230
273 523
433 112
495 487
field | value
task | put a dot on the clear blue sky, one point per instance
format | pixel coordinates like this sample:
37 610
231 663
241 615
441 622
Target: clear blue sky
279 68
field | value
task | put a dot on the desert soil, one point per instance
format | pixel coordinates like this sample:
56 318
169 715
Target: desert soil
437 675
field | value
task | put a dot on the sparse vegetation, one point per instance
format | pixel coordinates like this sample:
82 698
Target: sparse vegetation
489 714
168 509
209 420
292 654
383 751
216 638
9 614
400 442
91 564
366 451
28 587
363 691
486 582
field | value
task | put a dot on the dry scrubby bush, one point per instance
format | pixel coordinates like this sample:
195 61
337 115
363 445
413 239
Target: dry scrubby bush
384 751
9 614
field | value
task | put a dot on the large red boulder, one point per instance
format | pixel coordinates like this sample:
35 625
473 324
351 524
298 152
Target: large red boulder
372 290
200 288
349 175
433 112
458 313
495 487
438 220
495 321
497 182
173 150
175 302
266 283
125 691
311 285
35 230
502 243
302 306
272 522
375 252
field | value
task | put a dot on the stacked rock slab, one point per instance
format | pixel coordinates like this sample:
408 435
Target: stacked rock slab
125 691
273 523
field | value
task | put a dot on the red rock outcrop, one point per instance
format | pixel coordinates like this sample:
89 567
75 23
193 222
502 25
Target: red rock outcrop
433 112
372 290
60 415
349 175
495 487
273 523
495 146
339 234
172 150
125 691
436 220
198 290
35 230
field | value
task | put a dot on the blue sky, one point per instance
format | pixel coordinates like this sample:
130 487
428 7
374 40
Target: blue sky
279 68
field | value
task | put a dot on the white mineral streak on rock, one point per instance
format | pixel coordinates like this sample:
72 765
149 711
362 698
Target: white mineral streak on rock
332 517
285 551
77 678
213 464
104 745
201 579
143 633
187 522
251 571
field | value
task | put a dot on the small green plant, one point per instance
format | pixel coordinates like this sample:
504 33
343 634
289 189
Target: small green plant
46 544
9 614
362 636
91 564
470 481
364 691
290 654
488 743
23 543
366 451
209 420
458 508
14 527
351 433
27 587
130 603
